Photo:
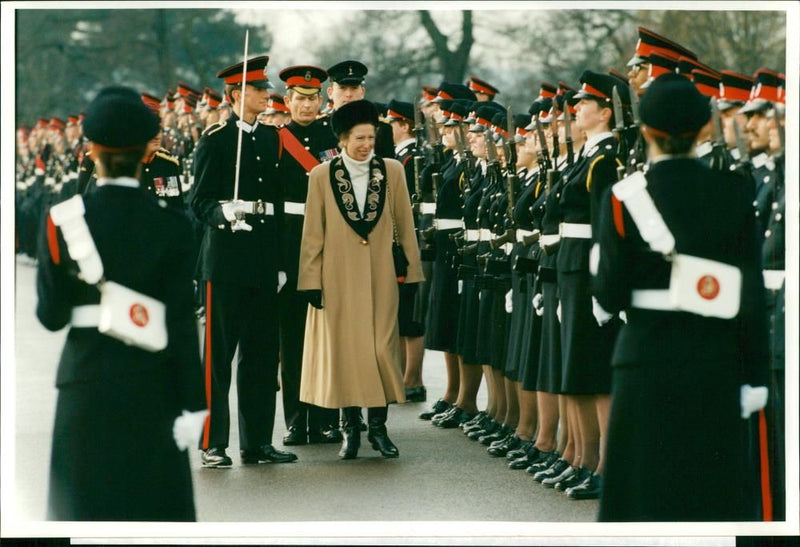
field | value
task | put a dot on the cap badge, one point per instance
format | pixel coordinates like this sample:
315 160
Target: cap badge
708 287
138 314
349 70
307 77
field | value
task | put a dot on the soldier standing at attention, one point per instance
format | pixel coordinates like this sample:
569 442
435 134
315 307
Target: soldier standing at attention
307 142
239 269
690 363
114 454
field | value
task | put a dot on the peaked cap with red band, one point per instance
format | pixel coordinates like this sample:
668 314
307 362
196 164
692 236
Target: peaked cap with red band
547 90
769 88
660 63
256 73
185 90
305 79
399 111
734 89
601 86
276 104
152 102
706 83
481 86
429 93
650 42
687 65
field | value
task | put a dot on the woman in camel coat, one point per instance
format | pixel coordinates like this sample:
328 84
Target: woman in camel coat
352 349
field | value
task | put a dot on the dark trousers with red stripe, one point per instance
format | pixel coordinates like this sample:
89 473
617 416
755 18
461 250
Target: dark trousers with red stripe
293 309
246 317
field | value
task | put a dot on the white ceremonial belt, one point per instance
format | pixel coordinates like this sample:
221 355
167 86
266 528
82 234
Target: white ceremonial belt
263 208
85 316
773 279
447 223
485 234
652 299
472 235
294 208
549 239
578 231
427 208
522 234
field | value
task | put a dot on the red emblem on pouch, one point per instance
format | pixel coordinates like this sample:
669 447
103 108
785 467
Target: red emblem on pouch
139 315
708 287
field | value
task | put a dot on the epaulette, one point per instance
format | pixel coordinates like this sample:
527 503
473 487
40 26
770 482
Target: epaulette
213 128
164 154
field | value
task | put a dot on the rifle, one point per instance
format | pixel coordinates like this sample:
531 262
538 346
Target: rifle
568 133
512 181
545 169
436 159
636 155
619 128
419 130
743 164
719 153
554 129
467 161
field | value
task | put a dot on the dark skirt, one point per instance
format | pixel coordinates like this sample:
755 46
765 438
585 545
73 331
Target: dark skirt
517 336
676 445
549 377
498 333
113 455
441 333
468 322
585 346
532 339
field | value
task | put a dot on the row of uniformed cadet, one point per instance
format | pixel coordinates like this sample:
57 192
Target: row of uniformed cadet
520 313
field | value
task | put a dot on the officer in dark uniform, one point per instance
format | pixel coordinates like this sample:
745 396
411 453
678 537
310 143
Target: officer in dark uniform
307 141
347 85
413 303
676 441
239 263
114 456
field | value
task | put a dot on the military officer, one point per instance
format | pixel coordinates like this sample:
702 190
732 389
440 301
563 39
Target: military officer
239 200
347 85
307 141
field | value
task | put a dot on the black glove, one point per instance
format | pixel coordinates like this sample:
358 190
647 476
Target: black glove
314 297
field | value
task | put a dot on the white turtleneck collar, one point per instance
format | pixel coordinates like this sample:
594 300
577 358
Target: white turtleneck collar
359 176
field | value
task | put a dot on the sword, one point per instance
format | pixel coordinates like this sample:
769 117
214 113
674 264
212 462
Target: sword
241 115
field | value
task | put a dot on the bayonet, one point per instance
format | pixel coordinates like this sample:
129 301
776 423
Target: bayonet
419 130
554 131
568 132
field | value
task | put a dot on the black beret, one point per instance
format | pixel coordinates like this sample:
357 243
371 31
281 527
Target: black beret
351 114
117 118
673 105
348 73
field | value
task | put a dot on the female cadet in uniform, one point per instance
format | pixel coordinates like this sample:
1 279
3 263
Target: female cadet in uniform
676 447
355 204
114 456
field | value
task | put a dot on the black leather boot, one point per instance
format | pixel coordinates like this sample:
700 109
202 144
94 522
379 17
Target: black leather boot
352 433
377 435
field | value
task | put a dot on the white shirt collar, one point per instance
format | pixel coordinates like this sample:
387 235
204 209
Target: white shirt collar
592 141
127 182
403 144
246 127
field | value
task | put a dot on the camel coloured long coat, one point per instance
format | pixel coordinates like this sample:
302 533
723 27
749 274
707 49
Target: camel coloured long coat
351 352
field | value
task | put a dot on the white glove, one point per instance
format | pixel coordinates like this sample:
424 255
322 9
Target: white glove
558 311
232 210
623 316
509 301
601 316
188 427
460 286
538 304
281 280
752 399
238 225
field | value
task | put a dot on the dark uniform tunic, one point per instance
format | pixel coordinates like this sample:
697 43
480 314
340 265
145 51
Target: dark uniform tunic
162 176
585 346
676 445
113 455
318 139
413 303
774 263
467 271
240 271
441 331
